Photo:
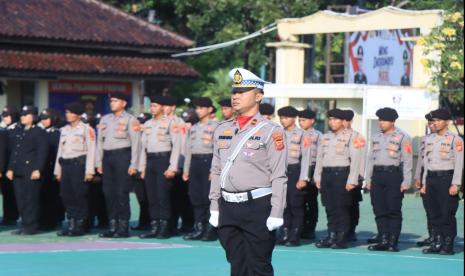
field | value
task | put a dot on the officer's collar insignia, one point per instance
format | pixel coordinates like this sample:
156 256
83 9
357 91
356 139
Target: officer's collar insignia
237 77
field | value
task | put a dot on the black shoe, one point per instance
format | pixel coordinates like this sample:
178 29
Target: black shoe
197 234
294 238
381 246
17 232
122 230
425 242
341 241
65 231
435 246
351 236
78 229
154 227
448 246
113 224
29 232
328 241
185 229
164 232
393 241
283 236
211 233
375 239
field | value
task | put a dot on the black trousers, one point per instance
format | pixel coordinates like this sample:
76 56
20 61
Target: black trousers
429 225
386 199
355 207
51 206
442 206
117 183
180 203
74 190
141 195
97 202
294 212
199 186
311 203
336 199
158 187
27 194
245 238
10 209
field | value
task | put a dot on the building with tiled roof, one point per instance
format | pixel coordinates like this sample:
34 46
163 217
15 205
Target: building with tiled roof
56 51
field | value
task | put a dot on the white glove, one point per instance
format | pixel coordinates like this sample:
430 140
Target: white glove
214 215
274 223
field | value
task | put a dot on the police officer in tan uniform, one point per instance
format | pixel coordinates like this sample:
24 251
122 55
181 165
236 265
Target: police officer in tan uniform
248 189
159 163
116 158
199 154
74 168
267 111
298 157
389 175
226 109
336 175
311 138
443 162
419 172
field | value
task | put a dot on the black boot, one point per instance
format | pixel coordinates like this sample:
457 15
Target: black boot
154 228
164 232
328 241
294 237
427 241
435 246
448 246
375 239
341 241
199 229
283 236
65 231
78 229
113 224
211 233
383 245
393 242
351 236
123 229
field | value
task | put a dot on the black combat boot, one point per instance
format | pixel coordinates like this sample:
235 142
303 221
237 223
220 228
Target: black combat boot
448 246
427 241
211 233
383 245
65 231
113 224
283 236
341 241
199 231
435 246
294 237
78 229
154 228
328 241
165 231
122 230
375 239
393 242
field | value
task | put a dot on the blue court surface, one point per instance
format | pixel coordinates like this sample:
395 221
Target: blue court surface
46 254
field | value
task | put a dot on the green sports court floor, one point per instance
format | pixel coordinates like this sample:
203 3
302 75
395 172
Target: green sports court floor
46 254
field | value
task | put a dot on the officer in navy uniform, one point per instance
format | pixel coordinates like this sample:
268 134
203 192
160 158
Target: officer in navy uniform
8 125
25 168
443 162
248 189
198 159
389 174
311 138
267 111
139 188
51 207
117 154
298 158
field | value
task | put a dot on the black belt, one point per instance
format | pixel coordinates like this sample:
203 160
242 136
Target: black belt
158 154
386 169
206 155
116 151
336 169
440 173
81 160
297 165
